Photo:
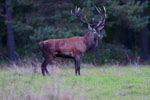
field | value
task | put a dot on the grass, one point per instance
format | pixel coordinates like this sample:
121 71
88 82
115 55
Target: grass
95 83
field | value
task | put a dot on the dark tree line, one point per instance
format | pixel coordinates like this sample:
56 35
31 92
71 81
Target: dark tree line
26 22
144 37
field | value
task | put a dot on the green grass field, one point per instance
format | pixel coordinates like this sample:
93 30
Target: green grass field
95 83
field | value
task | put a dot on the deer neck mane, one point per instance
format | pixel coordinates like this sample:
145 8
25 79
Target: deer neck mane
90 41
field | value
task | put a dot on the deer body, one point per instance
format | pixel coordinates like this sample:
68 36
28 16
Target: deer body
74 47
67 47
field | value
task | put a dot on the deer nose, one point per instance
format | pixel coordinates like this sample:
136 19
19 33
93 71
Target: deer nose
100 35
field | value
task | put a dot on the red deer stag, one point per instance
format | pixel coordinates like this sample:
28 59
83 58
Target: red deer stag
73 47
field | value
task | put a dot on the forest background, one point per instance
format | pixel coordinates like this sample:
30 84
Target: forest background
24 23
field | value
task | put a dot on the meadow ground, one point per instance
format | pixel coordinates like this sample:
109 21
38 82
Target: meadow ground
25 82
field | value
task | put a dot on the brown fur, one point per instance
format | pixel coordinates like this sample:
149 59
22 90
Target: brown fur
73 47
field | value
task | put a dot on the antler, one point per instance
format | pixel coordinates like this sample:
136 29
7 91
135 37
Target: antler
102 17
78 14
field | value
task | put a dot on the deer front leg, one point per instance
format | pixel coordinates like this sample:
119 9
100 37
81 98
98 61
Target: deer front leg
78 68
77 65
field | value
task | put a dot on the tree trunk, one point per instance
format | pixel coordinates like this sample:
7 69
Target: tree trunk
0 48
144 41
144 38
10 35
125 36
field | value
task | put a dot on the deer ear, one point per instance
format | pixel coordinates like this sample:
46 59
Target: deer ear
100 28
89 27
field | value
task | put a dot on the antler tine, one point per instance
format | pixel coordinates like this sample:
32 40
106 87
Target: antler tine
104 10
102 16
78 14
76 10
98 9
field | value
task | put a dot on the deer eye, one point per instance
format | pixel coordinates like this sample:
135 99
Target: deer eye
94 32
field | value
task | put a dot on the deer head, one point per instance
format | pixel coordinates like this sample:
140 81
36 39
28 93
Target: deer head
93 29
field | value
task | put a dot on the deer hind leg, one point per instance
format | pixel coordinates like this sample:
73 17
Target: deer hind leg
44 65
47 62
